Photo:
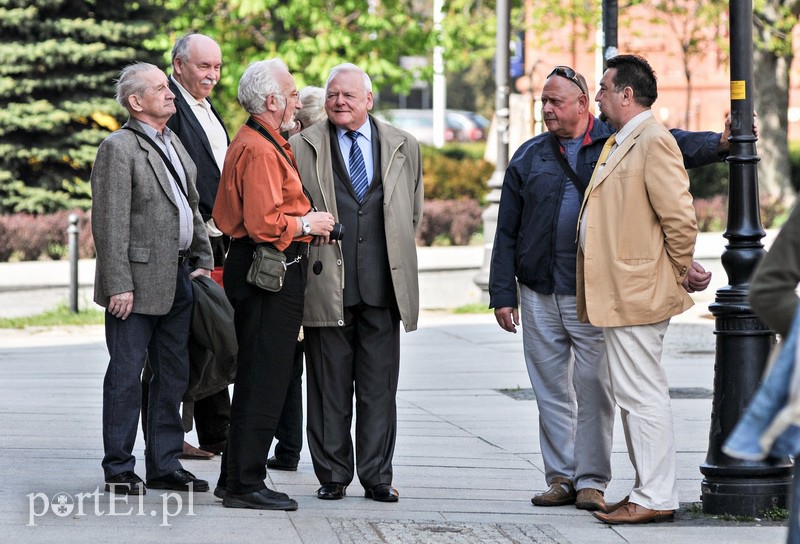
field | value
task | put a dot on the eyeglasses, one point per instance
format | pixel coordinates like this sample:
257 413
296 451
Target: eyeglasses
294 97
570 74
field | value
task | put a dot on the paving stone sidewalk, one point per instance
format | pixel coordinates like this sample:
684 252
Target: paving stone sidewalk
467 459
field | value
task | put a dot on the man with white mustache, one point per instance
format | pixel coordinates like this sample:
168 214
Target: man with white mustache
196 65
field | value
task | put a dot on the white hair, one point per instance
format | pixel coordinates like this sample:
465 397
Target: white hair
349 67
129 83
258 82
313 99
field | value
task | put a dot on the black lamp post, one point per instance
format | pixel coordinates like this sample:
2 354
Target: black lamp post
610 16
733 486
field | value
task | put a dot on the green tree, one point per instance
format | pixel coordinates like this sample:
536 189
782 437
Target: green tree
773 21
311 36
60 59
697 27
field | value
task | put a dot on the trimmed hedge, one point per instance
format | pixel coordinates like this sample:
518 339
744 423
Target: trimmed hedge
455 171
29 237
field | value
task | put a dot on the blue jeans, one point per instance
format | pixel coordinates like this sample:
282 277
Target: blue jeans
773 395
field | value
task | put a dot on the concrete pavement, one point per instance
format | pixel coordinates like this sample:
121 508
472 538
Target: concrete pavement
466 464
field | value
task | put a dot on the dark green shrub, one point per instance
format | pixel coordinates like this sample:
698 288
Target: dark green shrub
455 171
710 180
794 164
7 235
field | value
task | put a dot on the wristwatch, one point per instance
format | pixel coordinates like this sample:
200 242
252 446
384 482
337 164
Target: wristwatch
306 226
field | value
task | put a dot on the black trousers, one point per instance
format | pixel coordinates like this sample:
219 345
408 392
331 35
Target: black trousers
164 339
362 358
289 433
267 325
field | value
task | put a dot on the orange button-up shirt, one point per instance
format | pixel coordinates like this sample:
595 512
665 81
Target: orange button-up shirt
260 193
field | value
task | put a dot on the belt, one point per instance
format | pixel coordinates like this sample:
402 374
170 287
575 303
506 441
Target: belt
182 256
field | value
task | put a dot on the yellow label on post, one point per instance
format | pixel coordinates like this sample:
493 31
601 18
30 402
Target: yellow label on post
738 90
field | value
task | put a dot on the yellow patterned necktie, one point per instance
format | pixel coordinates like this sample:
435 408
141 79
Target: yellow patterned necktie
606 151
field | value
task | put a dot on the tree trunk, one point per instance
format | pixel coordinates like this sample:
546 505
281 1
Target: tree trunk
771 101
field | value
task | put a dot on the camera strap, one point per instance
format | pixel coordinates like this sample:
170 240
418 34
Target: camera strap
255 125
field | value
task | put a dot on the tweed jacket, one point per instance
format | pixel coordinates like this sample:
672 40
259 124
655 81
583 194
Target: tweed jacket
640 234
135 222
401 168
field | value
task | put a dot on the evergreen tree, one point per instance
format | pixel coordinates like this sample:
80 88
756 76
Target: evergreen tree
60 61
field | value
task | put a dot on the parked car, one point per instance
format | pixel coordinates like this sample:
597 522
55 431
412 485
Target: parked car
419 123
472 127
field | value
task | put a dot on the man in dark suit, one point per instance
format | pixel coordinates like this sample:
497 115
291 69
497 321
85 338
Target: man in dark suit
369 176
146 227
196 64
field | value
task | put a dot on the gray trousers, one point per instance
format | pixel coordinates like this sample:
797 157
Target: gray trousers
567 366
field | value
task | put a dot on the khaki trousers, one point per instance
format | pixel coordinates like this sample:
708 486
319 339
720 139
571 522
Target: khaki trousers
641 391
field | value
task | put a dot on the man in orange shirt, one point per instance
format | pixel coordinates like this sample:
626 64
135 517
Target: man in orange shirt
260 200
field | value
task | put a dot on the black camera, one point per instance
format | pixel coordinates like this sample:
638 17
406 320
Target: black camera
337 233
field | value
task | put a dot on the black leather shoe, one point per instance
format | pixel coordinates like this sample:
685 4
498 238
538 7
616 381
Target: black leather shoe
382 493
266 499
332 491
276 463
126 483
219 492
180 480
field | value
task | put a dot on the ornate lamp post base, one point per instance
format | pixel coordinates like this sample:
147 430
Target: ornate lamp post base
734 486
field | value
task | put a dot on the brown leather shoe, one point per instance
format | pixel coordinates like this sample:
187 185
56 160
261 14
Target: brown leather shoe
556 495
190 452
590 499
632 514
616 506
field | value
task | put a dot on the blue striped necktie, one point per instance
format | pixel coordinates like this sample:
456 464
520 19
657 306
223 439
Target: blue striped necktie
358 172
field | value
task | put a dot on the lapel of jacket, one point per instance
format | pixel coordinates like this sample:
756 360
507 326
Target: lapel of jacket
317 136
156 162
189 168
619 153
191 120
392 159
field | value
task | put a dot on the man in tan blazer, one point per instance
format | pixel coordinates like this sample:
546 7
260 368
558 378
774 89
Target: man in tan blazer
146 229
637 233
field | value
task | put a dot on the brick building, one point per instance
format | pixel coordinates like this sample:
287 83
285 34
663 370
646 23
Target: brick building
703 108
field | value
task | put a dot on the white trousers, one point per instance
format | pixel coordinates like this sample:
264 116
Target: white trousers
566 362
641 391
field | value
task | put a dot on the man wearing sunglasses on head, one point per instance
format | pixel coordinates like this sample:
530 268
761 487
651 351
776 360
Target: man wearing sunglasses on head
534 256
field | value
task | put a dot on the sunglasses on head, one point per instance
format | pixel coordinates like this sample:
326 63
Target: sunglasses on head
570 74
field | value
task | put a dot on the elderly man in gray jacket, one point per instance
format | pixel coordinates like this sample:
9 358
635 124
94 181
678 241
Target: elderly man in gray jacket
146 229
369 176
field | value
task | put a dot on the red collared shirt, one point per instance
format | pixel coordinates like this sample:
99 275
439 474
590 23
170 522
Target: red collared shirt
260 193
